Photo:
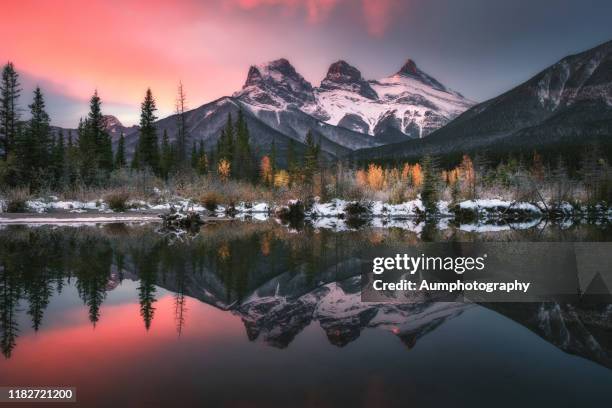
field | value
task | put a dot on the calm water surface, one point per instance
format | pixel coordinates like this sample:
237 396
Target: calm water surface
257 314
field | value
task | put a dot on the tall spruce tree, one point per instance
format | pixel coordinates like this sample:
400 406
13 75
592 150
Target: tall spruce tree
148 144
311 157
9 111
95 144
225 145
120 161
202 164
431 184
72 160
58 160
34 145
243 160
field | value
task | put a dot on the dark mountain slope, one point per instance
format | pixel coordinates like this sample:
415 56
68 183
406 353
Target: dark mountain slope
569 102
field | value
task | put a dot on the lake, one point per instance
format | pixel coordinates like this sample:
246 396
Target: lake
247 313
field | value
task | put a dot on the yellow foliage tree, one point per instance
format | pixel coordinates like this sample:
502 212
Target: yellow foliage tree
376 176
281 179
417 175
224 169
361 178
406 172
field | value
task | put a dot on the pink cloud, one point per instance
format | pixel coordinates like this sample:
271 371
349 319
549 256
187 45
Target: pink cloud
377 13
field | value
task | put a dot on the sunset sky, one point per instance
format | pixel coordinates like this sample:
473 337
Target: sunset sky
478 47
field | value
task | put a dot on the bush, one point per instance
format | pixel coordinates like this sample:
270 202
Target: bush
293 214
357 209
210 200
117 201
16 201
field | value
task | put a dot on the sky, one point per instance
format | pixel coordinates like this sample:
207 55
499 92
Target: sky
480 48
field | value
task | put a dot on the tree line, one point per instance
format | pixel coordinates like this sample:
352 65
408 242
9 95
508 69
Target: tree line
40 157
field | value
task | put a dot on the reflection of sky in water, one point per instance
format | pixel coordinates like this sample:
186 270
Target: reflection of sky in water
479 357
474 357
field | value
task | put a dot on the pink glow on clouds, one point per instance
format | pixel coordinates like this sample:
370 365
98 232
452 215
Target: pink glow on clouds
378 14
70 47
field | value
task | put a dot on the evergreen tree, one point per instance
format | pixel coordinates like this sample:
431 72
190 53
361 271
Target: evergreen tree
72 160
225 145
311 157
202 164
292 166
194 155
148 144
59 160
135 164
431 180
120 161
94 143
96 127
9 112
243 161
34 145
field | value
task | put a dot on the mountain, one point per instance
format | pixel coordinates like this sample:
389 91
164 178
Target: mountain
114 127
569 102
345 113
408 104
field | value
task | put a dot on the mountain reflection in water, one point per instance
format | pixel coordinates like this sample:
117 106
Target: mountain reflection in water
275 281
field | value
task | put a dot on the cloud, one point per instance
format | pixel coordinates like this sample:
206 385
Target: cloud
316 10
377 13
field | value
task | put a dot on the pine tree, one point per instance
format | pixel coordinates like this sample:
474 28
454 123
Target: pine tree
311 158
292 166
96 126
59 160
148 144
72 160
225 145
9 112
95 145
202 163
33 145
120 161
243 161
431 180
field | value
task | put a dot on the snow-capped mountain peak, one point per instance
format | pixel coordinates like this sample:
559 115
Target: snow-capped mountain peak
408 104
276 84
342 75
409 68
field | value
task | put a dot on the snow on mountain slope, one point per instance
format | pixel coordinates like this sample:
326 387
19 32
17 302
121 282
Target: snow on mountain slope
409 101
408 104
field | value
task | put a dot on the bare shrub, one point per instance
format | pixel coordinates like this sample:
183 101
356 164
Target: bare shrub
117 200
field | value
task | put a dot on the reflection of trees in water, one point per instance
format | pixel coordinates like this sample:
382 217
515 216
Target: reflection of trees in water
221 265
229 260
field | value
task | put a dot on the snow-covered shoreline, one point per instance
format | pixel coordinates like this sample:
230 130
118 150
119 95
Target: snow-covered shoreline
332 214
